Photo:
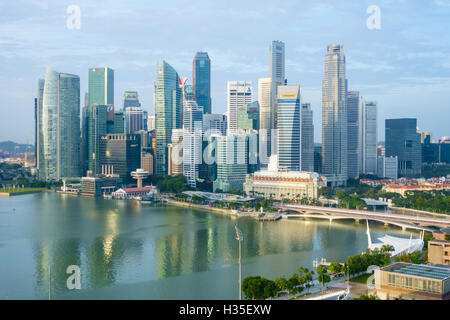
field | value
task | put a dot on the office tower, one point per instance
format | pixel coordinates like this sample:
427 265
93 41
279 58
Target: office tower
424 135
120 154
101 86
208 167
334 116
306 138
369 136
119 122
232 162
147 160
239 94
192 141
266 116
97 127
277 74
354 155
169 112
202 81
387 167
60 126
175 153
84 152
130 99
403 141
135 119
215 123
187 90
248 117
151 123
289 128
318 158
38 123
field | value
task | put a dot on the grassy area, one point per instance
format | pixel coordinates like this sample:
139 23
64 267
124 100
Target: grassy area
361 279
20 190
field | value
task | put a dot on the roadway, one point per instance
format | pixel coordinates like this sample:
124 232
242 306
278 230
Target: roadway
404 221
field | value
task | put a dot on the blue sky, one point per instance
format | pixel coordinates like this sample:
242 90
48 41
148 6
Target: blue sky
405 65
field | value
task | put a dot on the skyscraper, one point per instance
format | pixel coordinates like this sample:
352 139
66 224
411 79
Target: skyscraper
239 94
232 162
277 75
192 141
215 123
38 122
100 93
169 113
353 134
265 116
202 81
97 127
130 99
101 86
289 128
60 126
403 141
306 138
369 135
248 116
120 154
334 116
135 119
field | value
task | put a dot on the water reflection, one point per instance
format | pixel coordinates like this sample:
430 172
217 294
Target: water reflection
120 243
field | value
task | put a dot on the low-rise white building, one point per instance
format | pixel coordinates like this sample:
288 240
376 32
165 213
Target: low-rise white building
130 193
284 185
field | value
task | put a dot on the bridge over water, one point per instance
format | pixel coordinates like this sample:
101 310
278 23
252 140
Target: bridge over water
403 221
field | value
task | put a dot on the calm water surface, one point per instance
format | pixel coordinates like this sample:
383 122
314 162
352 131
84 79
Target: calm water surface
128 250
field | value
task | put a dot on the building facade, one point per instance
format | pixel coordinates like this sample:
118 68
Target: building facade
403 141
306 138
283 185
353 134
120 154
130 99
334 115
192 141
202 81
169 112
387 167
266 117
59 131
239 94
288 119
369 143
215 123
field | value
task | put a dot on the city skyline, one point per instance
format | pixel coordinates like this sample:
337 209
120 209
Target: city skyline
385 65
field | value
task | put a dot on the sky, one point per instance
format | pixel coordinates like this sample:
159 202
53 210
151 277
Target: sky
404 65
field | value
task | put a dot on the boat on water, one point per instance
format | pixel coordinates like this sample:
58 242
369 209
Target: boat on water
401 245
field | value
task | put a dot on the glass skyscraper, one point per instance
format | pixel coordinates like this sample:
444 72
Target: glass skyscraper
202 81
289 128
60 126
169 113
130 99
403 141
248 116
100 95
192 141
101 86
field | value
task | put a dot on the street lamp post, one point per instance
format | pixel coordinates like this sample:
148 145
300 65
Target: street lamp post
239 238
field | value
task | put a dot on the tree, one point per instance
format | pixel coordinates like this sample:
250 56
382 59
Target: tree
258 288
281 283
335 267
293 282
387 248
